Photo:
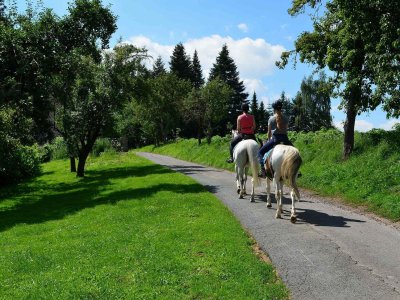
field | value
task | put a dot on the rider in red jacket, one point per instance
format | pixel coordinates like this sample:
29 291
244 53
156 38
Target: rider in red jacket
246 126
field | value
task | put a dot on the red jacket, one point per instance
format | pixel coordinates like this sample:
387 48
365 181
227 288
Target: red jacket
246 122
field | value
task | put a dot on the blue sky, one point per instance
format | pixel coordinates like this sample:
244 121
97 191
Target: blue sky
256 32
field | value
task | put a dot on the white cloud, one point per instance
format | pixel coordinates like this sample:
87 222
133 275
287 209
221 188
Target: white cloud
338 125
363 126
254 85
243 27
389 124
254 58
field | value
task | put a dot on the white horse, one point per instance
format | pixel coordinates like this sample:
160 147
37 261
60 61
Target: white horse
245 156
285 162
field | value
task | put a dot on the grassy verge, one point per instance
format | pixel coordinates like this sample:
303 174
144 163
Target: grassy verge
129 230
370 178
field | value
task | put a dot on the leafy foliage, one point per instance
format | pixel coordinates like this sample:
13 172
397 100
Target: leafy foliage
358 42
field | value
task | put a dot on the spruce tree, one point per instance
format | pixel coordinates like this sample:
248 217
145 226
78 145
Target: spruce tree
254 107
180 63
197 73
158 67
225 69
263 116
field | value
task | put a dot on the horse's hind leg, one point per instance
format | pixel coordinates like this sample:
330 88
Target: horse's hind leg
294 194
278 196
293 217
269 193
237 179
252 190
244 181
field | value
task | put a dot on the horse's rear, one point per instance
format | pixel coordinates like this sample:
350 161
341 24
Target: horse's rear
286 162
245 155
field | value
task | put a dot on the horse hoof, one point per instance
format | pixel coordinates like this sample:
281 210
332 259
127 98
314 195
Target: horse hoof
293 219
269 205
241 197
278 217
238 191
252 200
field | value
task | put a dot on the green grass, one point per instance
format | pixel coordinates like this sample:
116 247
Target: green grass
370 178
128 230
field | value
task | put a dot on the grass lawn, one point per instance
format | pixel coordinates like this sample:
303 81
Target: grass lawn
128 230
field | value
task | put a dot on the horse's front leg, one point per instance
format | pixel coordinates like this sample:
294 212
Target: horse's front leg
278 196
268 193
293 217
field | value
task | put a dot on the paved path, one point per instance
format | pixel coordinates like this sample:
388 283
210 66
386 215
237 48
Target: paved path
330 253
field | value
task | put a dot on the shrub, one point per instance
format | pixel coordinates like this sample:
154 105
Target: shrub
102 145
58 149
17 162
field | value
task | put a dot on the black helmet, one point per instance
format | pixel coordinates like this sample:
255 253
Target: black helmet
245 107
277 105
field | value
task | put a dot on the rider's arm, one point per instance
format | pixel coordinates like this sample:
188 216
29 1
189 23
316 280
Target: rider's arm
239 128
269 132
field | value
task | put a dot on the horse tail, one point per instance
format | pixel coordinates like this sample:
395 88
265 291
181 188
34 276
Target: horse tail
290 166
252 152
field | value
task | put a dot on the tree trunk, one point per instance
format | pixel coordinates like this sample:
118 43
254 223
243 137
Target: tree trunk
348 143
199 135
83 155
72 164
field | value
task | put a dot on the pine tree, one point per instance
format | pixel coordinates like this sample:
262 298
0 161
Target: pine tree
254 107
180 63
225 68
158 67
263 116
197 73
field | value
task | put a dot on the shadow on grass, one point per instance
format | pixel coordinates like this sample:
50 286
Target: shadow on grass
68 198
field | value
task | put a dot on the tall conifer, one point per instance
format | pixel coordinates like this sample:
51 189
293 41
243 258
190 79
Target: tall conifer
225 68
180 63
197 73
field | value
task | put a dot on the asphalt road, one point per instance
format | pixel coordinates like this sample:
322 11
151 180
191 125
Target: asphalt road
332 252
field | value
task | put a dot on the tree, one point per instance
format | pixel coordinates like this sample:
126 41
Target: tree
98 90
180 64
205 107
158 67
159 107
312 105
263 116
254 108
225 69
197 73
358 42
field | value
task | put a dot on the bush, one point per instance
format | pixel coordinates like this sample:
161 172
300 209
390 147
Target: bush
58 149
103 145
17 162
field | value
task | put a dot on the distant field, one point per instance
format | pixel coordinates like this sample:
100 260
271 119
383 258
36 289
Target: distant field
370 178
129 230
